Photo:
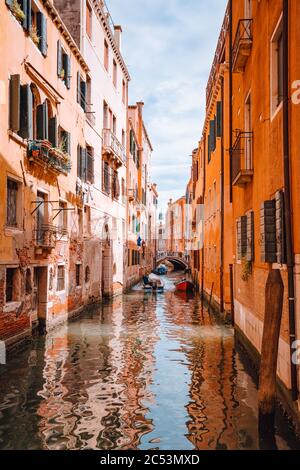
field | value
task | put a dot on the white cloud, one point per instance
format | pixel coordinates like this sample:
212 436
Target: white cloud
168 46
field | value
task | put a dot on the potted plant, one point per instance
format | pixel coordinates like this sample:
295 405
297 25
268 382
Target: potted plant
246 269
34 35
17 11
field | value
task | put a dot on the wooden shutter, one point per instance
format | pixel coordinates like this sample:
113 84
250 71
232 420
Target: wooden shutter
131 141
68 143
59 58
250 236
212 132
42 32
42 121
26 7
268 232
14 103
83 94
68 71
219 118
242 237
78 161
53 138
84 164
26 129
209 149
280 228
78 88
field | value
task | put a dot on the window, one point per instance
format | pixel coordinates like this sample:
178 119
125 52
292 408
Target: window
106 55
12 202
63 65
63 215
123 138
90 164
106 177
115 186
114 125
32 21
60 278
277 68
85 164
78 274
81 91
115 74
11 294
64 141
28 282
88 20
123 91
123 190
87 275
105 116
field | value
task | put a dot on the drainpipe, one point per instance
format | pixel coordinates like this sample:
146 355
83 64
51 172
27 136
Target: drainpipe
230 98
222 205
287 194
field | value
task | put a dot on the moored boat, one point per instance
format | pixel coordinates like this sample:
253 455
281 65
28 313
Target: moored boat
184 286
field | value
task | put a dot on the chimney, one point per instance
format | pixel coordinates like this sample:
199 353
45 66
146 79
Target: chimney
118 36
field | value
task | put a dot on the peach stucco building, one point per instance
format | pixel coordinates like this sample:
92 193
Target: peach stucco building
63 150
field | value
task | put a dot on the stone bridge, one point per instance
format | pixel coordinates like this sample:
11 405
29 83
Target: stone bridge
177 259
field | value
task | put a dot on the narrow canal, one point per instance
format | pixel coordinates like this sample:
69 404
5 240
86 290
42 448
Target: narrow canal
145 371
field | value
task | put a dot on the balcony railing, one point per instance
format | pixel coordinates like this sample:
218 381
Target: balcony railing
242 161
46 236
54 159
242 45
113 148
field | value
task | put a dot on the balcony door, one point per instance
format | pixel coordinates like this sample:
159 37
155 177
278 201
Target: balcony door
248 131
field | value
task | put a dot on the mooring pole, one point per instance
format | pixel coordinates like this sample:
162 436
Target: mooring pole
270 344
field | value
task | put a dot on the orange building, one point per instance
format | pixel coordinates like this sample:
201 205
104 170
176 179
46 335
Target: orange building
211 254
246 171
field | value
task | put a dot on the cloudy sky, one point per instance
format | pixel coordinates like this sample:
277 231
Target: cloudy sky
169 46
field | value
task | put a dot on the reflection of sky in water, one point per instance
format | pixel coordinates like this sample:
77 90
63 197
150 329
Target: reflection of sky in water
144 371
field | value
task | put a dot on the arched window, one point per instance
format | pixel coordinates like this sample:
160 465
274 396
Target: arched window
87 274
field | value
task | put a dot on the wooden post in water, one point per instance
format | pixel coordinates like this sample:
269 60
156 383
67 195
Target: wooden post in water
270 343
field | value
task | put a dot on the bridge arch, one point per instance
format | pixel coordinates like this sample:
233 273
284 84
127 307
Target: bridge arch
177 261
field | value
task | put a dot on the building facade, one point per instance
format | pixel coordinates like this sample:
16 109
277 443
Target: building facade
248 176
64 134
41 127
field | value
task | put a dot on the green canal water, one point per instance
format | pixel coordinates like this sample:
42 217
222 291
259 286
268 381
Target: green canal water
144 371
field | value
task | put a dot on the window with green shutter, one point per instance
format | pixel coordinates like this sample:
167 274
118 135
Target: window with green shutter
42 125
41 25
219 119
26 106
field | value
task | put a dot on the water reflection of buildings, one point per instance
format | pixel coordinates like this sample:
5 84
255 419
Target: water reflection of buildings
140 323
96 376
221 393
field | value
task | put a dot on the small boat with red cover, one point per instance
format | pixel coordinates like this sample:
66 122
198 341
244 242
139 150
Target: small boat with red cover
184 286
